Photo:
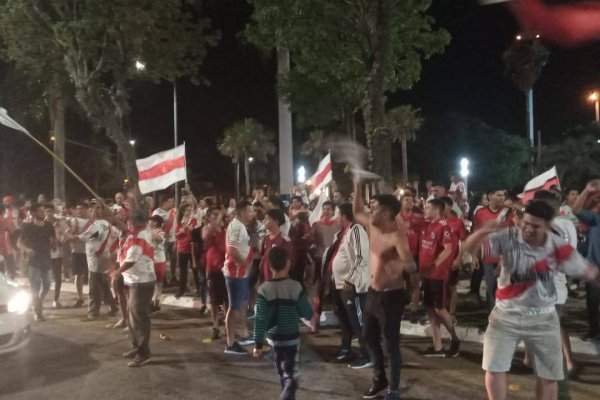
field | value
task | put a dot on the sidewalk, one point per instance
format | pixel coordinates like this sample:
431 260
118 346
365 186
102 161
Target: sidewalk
468 328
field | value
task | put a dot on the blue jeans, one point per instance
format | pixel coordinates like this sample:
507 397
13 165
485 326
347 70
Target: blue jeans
39 280
491 284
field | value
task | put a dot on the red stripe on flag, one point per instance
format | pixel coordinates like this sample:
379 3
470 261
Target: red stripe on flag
162 168
528 195
320 176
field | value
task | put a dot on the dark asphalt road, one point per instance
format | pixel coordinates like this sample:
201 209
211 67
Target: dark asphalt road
70 359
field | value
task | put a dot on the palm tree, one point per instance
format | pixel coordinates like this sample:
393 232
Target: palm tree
403 123
244 140
317 145
523 63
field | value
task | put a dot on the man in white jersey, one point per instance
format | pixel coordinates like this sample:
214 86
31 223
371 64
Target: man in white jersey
168 213
526 298
79 224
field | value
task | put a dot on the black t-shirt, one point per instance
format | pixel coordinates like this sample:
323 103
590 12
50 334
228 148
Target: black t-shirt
39 239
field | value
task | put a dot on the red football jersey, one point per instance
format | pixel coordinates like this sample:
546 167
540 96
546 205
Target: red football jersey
413 223
503 215
268 244
434 235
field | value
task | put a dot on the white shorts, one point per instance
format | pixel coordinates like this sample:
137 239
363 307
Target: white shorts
541 334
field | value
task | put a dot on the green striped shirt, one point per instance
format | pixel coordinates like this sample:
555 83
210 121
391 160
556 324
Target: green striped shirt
279 305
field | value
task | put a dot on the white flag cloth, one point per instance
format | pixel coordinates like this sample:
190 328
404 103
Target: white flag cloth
161 170
315 215
324 174
543 181
8 121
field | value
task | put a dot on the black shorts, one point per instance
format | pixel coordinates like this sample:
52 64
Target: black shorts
453 277
79 264
434 293
217 291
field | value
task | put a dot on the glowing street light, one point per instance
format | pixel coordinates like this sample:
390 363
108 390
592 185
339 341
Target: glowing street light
140 66
464 172
301 174
250 159
595 97
132 142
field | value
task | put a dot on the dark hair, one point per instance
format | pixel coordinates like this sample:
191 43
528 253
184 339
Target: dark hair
239 206
438 183
550 197
181 211
328 203
158 220
296 198
389 202
411 191
438 204
302 217
447 201
494 189
278 258
164 198
34 207
346 211
277 202
540 209
257 204
139 218
208 202
49 206
277 215
452 173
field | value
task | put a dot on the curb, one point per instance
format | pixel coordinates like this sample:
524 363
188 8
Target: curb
328 318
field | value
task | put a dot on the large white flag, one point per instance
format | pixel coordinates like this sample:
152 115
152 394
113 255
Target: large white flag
8 121
543 181
324 174
161 170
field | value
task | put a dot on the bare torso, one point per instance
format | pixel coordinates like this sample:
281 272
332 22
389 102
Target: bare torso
386 262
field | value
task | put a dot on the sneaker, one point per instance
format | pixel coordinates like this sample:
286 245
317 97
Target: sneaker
376 390
216 333
392 395
89 318
453 351
78 303
424 320
360 363
130 354
138 361
247 341
342 356
414 317
57 304
179 294
431 352
236 349
203 309
120 324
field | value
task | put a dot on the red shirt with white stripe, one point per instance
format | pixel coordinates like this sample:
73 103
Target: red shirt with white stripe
138 249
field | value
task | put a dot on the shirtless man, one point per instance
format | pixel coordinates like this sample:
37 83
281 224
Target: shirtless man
390 258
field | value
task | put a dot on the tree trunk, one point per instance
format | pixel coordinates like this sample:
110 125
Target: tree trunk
57 111
286 155
374 108
404 163
247 174
102 111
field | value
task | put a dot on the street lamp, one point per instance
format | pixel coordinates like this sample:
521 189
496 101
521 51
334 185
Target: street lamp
595 97
250 159
140 66
301 174
132 142
464 173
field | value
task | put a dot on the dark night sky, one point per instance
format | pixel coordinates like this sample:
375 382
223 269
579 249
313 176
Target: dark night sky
467 79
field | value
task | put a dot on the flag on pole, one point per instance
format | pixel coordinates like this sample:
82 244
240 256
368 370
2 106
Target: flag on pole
543 181
161 170
324 174
8 121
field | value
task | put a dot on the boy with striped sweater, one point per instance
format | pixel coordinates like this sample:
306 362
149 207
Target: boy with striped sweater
280 303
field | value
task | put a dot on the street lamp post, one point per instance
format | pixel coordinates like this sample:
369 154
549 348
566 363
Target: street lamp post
464 173
595 97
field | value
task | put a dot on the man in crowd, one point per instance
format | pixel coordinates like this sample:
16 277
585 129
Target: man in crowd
458 233
390 258
526 297
238 260
56 252
435 261
350 266
136 264
457 190
485 264
79 224
274 220
36 241
167 212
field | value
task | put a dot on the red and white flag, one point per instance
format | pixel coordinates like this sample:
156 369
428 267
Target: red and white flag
324 174
161 170
541 182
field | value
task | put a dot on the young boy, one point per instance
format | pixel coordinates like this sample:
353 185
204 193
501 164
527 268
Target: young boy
280 303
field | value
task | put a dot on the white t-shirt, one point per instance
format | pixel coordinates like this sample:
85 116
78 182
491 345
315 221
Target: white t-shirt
138 249
458 187
78 226
60 226
96 241
236 237
165 214
159 248
351 262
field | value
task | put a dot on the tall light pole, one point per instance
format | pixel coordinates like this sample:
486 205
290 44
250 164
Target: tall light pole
595 97
464 173
141 66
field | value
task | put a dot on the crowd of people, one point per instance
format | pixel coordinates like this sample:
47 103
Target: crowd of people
259 259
